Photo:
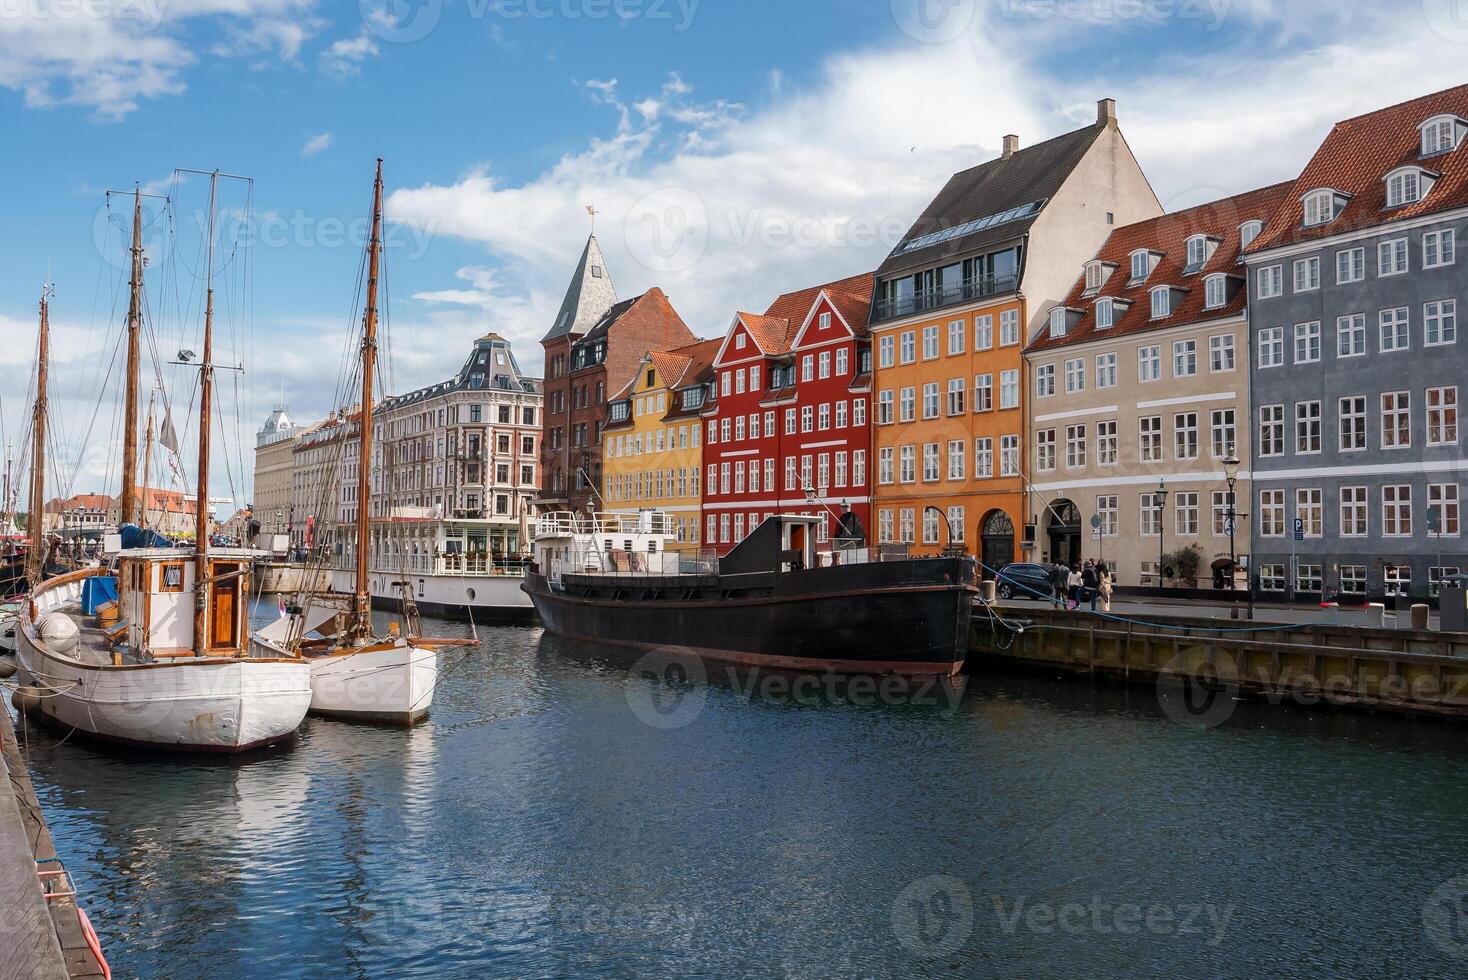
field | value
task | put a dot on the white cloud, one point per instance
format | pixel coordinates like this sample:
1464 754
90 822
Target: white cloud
345 56
316 144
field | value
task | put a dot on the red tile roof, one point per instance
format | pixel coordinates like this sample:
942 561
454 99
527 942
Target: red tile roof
1168 234
1357 156
771 333
796 306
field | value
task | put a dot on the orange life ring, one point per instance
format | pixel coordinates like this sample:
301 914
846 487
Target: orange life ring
93 943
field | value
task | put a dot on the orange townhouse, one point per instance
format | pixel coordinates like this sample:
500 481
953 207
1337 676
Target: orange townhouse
953 307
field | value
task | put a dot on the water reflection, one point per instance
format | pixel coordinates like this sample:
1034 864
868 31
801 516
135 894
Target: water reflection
539 824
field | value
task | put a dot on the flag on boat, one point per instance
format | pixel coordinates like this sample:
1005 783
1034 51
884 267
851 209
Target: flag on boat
167 438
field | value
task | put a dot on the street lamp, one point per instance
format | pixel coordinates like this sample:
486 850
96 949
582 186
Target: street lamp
1231 474
1159 496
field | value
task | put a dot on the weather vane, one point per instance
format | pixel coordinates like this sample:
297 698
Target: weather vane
591 210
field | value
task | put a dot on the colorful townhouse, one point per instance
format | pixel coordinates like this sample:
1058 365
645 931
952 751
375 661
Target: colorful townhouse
1357 368
788 428
591 350
654 438
954 305
1139 397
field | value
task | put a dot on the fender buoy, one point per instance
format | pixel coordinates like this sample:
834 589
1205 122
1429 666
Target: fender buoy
93 943
26 698
7 667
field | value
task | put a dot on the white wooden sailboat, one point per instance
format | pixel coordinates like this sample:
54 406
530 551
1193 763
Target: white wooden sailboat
168 664
355 673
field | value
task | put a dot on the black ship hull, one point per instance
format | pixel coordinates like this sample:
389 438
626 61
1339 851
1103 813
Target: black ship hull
906 617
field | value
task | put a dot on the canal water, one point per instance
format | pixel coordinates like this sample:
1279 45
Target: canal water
562 815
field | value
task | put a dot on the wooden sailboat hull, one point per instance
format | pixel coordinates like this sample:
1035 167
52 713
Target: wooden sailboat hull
188 705
393 685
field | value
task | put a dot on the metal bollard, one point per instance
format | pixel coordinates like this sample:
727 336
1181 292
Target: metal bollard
986 590
1419 615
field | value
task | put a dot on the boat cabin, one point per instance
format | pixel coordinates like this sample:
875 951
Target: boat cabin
156 601
641 543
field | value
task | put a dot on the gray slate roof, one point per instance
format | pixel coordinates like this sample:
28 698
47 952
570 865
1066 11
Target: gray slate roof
589 295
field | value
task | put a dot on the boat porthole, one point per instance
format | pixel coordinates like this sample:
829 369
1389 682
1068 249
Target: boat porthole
470 593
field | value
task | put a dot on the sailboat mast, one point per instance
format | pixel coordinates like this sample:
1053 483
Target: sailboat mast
129 502
147 464
206 407
35 558
363 624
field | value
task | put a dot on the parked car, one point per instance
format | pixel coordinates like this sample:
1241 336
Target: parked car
1024 580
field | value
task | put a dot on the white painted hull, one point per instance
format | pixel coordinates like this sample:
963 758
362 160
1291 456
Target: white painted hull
394 685
486 597
194 705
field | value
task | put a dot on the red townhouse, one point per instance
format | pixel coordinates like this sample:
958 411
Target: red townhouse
788 429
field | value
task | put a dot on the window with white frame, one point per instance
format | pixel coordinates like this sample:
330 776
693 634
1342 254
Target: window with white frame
841 416
1272 513
1222 432
930 342
1396 419
1185 435
1396 510
1307 577
930 400
1438 248
983 458
1397 579
1105 314
1307 427
957 336
1106 442
1351 427
1141 265
1108 510
1269 282
1391 257
1310 510
1351 579
1106 370
1442 416
1185 513
1008 328
983 392
984 331
858 415
884 526
885 458
1440 322
1319 207
1057 322
930 526
1075 446
1095 275
905 525
823 416
1149 438
1149 363
885 402
1221 353
1184 358
907 464
1149 515
1350 335
823 363
931 468
906 403
807 418
1009 388
907 347
807 368
1075 375
1307 274
956 389
1307 342
1219 501
1350 265
1272 577
1009 455
1198 251
1161 302
957 461
1248 231
1395 329
956 521
1045 449
1444 497
1405 186
1215 291
1271 347
1353 512
1439 134
886 354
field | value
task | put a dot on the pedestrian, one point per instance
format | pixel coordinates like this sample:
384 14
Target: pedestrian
1059 577
1090 583
1103 585
1074 587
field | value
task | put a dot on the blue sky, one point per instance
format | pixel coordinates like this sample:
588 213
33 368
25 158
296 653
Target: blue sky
735 148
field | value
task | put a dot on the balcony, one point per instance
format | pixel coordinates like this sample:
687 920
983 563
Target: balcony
941 296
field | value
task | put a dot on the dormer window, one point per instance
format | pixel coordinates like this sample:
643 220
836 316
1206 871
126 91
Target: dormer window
1057 322
739 341
1441 134
1321 206
1105 314
1200 250
1407 185
1141 264
1248 231
1215 291
1095 276
1161 302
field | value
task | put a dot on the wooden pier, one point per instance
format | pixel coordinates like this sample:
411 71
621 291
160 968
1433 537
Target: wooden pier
40 939
1416 672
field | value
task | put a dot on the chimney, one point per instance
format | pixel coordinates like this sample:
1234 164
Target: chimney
1011 144
1106 112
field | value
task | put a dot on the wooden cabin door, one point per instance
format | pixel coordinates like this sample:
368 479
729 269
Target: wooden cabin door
225 616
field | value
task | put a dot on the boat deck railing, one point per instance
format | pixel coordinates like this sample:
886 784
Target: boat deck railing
562 524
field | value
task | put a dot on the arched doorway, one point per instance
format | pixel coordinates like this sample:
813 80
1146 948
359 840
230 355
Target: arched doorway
996 535
1063 528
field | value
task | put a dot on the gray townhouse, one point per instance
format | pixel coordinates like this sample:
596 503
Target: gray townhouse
1356 363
